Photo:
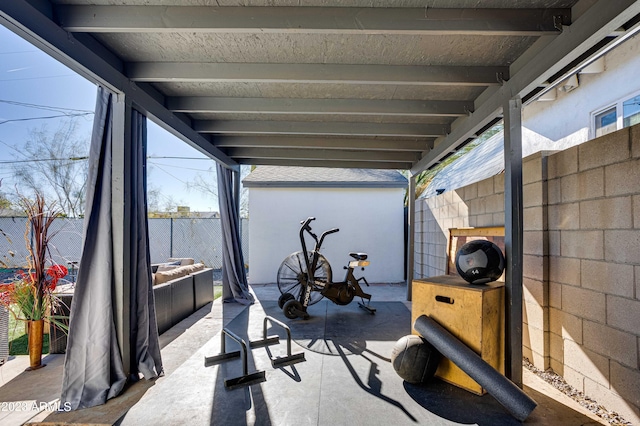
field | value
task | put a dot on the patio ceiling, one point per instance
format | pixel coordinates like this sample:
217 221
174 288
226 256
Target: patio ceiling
310 84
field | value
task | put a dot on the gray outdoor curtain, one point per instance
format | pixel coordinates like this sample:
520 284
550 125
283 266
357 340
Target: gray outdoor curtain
93 369
234 278
145 345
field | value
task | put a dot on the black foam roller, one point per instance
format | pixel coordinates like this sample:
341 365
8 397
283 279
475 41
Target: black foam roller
502 389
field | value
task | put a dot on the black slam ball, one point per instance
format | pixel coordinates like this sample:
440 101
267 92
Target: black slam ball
480 262
414 359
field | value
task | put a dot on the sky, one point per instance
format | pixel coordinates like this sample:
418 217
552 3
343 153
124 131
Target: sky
52 92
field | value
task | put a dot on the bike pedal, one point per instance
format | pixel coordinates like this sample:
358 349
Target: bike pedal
369 309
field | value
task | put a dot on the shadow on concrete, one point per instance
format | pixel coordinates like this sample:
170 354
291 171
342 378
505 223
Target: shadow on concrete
178 330
232 407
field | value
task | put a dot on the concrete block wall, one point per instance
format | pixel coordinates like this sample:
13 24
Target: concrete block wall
581 270
480 205
594 242
535 245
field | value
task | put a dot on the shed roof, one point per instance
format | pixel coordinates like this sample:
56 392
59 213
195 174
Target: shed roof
323 177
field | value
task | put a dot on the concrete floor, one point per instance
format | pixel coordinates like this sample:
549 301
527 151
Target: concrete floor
347 378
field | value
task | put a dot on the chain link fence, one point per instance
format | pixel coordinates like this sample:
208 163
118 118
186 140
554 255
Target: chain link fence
200 239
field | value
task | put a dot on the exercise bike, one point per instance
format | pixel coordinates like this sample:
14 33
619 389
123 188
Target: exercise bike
304 278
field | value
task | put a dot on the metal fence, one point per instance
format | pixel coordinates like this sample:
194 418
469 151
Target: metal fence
200 239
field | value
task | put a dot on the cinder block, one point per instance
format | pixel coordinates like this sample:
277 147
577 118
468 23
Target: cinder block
635 140
533 218
605 396
622 178
463 209
622 246
569 188
611 343
470 192
574 378
565 325
637 275
582 244
527 352
554 243
563 163
625 382
536 316
537 359
448 197
485 220
532 169
607 277
461 222
555 295
587 362
477 206
498 218
636 211
556 351
564 270
624 314
534 338
608 149
533 194
564 216
494 203
485 187
498 183
533 242
535 291
554 191
607 213
557 366
585 304
591 184
533 267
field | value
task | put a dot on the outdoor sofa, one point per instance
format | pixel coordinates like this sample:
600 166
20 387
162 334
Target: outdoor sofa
180 288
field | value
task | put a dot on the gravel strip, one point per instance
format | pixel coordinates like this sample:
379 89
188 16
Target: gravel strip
590 404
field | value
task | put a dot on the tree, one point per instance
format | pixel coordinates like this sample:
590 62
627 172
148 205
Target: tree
54 162
207 185
5 203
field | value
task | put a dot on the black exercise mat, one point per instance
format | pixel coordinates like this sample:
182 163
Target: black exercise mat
349 326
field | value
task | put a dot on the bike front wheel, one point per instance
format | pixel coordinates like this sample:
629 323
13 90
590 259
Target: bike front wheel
292 272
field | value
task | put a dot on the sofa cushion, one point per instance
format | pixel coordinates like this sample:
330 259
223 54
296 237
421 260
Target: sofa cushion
194 268
162 277
183 260
163 267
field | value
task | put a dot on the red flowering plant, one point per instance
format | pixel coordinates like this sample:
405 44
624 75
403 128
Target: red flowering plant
30 295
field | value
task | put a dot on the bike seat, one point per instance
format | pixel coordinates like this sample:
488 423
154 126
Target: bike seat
358 256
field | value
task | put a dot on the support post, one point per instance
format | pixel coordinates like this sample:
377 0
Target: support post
121 202
513 222
411 217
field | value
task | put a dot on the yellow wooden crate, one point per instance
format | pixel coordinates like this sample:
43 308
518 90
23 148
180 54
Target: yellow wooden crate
472 313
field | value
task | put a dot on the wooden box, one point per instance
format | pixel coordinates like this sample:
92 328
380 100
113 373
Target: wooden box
472 313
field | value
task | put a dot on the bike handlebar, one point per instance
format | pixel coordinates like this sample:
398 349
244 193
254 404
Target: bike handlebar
311 264
306 227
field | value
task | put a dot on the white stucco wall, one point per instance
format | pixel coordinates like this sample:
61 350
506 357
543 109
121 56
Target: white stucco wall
371 220
567 120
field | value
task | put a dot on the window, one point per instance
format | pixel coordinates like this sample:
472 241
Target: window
625 113
606 122
631 112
